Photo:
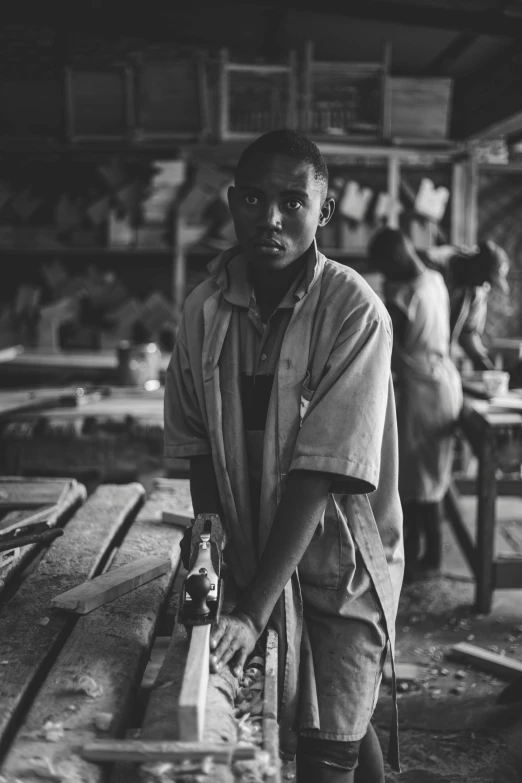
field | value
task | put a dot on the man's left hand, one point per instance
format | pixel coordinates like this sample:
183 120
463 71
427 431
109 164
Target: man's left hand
232 640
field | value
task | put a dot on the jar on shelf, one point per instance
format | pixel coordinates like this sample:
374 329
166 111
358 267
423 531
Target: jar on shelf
139 365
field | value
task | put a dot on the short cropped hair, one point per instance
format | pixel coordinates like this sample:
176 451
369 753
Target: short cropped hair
293 144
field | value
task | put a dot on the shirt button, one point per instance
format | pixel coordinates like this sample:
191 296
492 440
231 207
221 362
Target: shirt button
263 357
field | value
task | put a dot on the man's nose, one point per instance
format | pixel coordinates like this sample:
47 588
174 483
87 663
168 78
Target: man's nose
271 217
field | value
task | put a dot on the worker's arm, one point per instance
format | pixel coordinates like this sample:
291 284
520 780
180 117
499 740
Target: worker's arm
298 515
472 344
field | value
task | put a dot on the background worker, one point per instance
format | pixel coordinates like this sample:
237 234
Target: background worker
279 391
469 275
429 394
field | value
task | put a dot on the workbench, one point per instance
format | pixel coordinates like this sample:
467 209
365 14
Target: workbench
72 685
487 426
109 436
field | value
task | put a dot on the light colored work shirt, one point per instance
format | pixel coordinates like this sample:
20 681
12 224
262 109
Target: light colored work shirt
331 410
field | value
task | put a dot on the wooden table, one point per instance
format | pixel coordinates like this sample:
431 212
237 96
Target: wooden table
32 365
483 424
68 681
112 437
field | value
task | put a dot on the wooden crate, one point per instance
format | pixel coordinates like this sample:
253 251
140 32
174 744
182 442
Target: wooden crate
256 98
420 107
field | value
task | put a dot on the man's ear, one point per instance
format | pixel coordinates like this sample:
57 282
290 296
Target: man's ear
230 197
327 211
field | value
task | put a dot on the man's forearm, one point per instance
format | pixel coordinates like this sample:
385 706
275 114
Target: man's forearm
295 523
472 344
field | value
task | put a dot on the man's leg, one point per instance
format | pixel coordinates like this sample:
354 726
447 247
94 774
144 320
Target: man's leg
326 761
431 514
412 538
371 763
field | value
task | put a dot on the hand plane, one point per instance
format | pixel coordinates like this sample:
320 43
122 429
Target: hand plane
202 591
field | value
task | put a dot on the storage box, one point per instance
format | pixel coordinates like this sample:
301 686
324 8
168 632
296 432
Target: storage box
420 107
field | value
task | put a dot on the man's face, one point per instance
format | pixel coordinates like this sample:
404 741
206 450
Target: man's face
277 206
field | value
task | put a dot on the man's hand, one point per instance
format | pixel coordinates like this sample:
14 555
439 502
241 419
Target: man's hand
232 640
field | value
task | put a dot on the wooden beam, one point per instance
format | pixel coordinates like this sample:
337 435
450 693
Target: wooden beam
107 649
445 59
452 16
501 665
77 555
451 504
164 750
270 705
193 697
111 585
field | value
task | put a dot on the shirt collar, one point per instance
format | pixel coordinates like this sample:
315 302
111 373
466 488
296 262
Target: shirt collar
231 273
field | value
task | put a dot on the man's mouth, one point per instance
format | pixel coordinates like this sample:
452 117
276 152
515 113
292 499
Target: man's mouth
268 246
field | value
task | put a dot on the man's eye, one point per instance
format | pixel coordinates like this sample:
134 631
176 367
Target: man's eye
252 201
293 204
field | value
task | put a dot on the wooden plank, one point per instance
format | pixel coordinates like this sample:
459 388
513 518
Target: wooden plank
25 645
16 492
270 705
451 504
76 495
97 592
193 697
406 672
161 721
14 520
109 647
501 665
507 573
164 750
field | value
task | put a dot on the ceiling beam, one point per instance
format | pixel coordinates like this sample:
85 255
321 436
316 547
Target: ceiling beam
448 56
489 104
491 21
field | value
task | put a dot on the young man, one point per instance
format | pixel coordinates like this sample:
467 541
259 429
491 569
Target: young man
279 391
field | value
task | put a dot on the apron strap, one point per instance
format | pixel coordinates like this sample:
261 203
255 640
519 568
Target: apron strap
368 540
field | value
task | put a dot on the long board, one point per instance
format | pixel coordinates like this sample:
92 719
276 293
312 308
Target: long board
86 597
107 649
27 645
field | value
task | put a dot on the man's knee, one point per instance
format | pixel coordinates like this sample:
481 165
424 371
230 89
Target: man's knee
329 753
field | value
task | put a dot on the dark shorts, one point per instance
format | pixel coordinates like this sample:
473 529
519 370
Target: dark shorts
329 753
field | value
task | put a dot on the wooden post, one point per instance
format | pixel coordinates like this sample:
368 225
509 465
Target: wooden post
394 186
386 92
223 94
472 201
487 495
458 204
179 267
306 110
292 116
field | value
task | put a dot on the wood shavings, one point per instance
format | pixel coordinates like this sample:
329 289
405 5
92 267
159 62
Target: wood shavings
179 772
82 684
255 771
52 732
103 721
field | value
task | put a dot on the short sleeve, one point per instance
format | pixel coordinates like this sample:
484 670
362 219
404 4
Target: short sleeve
343 428
185 430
